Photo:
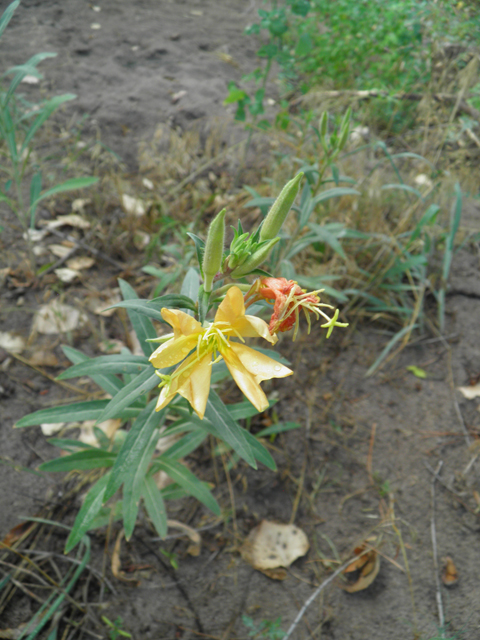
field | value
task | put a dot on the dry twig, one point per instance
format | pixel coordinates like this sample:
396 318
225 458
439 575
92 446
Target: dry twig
438 595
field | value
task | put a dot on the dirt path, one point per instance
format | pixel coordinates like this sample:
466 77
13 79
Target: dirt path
357 480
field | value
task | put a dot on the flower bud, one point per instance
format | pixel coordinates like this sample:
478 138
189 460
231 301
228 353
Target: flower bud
255 260
280 208
323 124
213 255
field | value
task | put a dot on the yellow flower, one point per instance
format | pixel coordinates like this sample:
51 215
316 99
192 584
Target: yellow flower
208 345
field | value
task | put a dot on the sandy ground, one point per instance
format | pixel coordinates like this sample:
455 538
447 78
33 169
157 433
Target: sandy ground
359 480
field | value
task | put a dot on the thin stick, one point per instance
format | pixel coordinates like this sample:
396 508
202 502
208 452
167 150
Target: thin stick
315 594
370 453
441 616
466 435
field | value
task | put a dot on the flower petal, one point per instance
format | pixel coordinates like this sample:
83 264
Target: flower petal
260 365
182 323
173 351
245 379
232 307
192 381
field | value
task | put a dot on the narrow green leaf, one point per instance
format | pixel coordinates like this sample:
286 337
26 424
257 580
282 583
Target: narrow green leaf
69 444
279 427
190 287
81 460
7 15
142 326
155 506
114 364
137 439
398 336
142 307
228 430
186 445
417 372
173 301
68 185
139 386
46 110
132 488
108 383
185 478
88 511
336 192
260 452
79 411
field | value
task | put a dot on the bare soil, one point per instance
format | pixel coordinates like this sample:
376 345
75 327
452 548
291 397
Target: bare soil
358 465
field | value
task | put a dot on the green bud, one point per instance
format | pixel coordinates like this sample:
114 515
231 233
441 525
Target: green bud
280 208
323 124
344 130
255 260
213 255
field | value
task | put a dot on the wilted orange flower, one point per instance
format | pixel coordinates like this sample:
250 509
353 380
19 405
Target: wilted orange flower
288 299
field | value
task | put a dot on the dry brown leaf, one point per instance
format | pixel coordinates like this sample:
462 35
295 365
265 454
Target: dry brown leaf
50 428
67 275
79 204
140 239
270 545
109 428
13 634
111 346
80 262
363 570
59 250
116 563
449 573
11 342
470 392
44 358
195 538
70 220
56 317
100 307
133 206
18 532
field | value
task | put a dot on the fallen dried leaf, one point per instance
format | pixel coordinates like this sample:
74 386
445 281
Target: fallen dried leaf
140 239
449 573
28 79
116 563
195 538
44 358
56 317
363 570
17 533
50 428
79 204
470 392
66 275
270 545
80 262
111 346
70 220
147 183
178 96
59 250
87 434
133 206
11 342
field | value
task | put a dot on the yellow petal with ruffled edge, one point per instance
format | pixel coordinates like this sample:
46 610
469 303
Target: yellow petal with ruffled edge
245 379
192 381
232 311
173 351
260 365
181 322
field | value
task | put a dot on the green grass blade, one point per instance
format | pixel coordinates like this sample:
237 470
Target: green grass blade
398 336
190 287
68 185
7 15
142 307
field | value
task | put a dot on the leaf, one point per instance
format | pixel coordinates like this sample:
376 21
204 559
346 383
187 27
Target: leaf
270 545
139 386
135 443
88 511
108 383
199 248
142 307
228 430
46 110
470 392
68 444
114 364
78 411
185 478
68 185
173 300
7 15
336 192
155 506
142 326
191 286
132 488
278 427
403 187
449 572
386 350
186 445
417 372
362 571
80 461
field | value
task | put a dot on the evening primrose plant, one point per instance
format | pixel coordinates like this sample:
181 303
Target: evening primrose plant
166 396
